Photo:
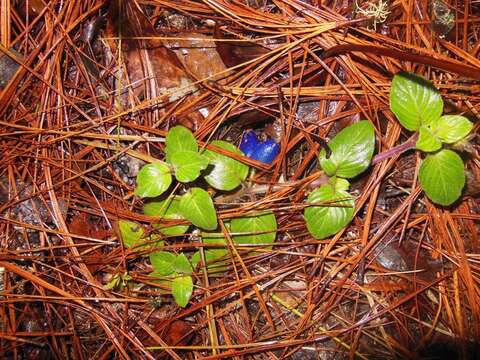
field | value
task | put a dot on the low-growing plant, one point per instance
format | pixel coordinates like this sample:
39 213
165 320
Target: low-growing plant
186 163
330 207
418 106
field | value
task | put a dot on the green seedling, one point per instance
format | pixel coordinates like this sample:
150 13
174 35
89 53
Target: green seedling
184 164
418 107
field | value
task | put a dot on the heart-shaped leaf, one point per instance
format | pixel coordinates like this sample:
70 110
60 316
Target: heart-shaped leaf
197 206
179 138
188 164
451 128
182 265
182 289
167 209
351 151
258 229
162 262
131 233
442 177
414 101
153 180
427 141
326 220
226 173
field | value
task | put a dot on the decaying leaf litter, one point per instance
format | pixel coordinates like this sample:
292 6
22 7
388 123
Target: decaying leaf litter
90 90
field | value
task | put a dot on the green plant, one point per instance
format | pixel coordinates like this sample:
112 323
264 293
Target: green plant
118 281
178 270
418 107
329 208
185 162
260 229
133 236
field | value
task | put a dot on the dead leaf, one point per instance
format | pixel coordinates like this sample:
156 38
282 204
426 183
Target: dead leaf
198 53
153 69
32 7
178 333
234 53
83 225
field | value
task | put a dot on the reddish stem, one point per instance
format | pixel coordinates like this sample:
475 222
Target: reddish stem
407 145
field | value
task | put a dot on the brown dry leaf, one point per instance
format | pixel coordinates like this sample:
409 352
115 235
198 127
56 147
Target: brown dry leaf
234 53
153 69
82 225
472 182
178 333
199 55
32 7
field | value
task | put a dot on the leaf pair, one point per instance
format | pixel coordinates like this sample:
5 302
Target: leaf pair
225 173
182 154
164 263
418 106
179 268
332 206
447 129
185 161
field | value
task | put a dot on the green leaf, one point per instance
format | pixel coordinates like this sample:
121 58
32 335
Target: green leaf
182 289
452 128
163 262
155 241
182 265
324 221
442 177
427 141
197 206
113 283
213 258
178 139
213 255
352 150
414 101
153 180
339 183
259 229
131 233
167 209
188 164
226 173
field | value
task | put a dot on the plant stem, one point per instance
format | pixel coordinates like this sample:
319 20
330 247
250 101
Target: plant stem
407 145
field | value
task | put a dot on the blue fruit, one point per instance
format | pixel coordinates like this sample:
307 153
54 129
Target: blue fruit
265 151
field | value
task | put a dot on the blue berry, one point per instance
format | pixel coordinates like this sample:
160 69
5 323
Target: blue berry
265 151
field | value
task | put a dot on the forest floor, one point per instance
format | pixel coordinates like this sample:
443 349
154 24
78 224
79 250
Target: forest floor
88 93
